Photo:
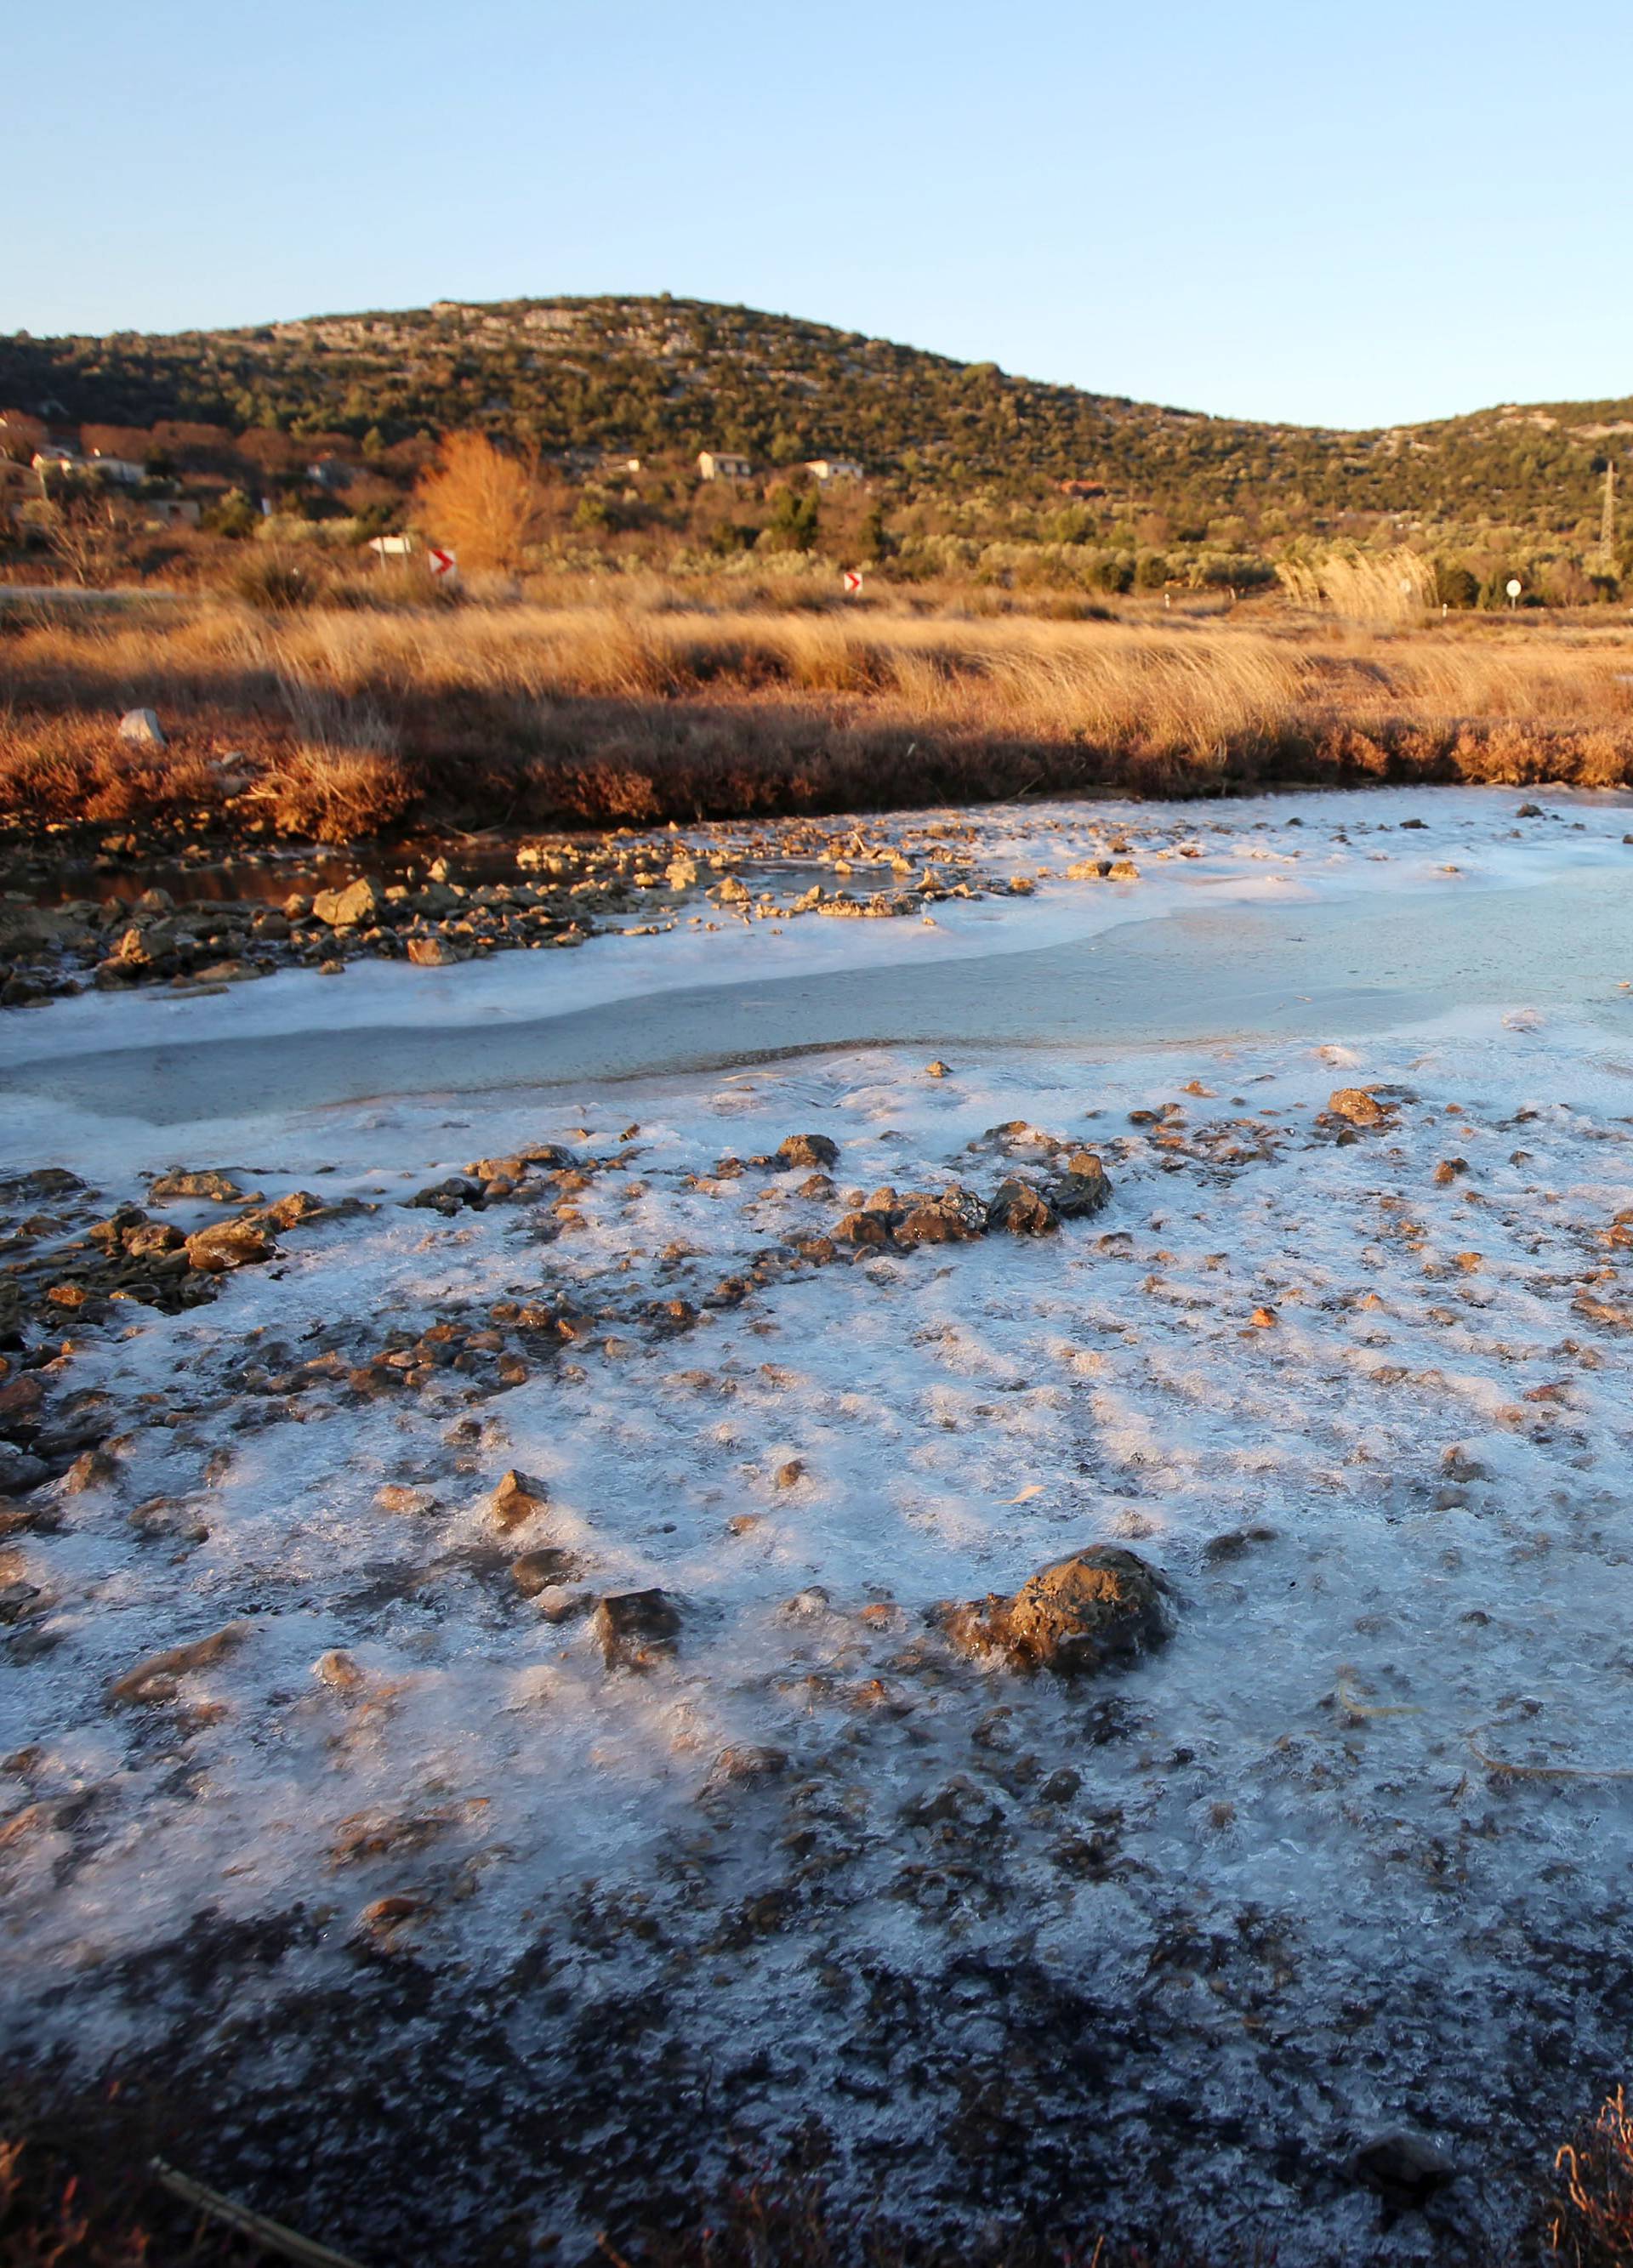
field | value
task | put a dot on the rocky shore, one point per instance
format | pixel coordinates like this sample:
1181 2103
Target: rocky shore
1035 1636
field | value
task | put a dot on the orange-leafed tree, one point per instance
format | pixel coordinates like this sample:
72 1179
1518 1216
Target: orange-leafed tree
485 505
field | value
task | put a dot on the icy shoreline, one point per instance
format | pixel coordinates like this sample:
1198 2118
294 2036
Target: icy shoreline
1344 1859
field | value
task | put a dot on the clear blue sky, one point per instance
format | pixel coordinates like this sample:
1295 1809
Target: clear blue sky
1294 208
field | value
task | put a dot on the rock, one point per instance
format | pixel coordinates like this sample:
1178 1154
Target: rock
431 952
227 1244
863 1228
155 1679
1529 811
18 1471
1082 1189
448 1196
221 1187
518 1497
92 1468
1447 1171
1123 870
142 729
1358 1107
742 1765
937 1070
791 1474
153 1238
538 1570
338 1670
359 902
953 1216
807 1150
637 1629
1022 1210
1101 1605
1404 2169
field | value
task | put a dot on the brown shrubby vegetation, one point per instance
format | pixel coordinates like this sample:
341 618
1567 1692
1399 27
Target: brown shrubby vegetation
341 719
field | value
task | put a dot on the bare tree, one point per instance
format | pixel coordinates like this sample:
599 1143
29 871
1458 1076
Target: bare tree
84 527
487 507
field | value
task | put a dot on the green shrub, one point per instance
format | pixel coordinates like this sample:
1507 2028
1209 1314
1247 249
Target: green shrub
234 516
1455 585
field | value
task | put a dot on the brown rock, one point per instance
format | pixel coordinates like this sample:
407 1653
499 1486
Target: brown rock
538 1570
1358 1106
807 1150
638 1628
1022 1210
156 1678
1084 1187
1101 1605
518 1497
228 1244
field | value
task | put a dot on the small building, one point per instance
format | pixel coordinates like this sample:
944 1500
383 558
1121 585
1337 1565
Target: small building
724 464
1081 490
392 547
833 468
123 470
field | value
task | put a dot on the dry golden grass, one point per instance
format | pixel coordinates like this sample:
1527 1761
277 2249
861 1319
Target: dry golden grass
1591 2222
604 712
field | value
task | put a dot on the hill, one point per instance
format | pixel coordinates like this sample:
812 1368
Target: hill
583 377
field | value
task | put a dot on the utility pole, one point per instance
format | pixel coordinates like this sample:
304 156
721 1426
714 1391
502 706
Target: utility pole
1607 523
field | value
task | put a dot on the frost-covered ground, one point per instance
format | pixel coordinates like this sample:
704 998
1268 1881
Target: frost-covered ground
1349 1856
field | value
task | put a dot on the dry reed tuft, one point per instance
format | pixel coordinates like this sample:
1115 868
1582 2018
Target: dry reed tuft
354 719
1591 2216
1362 586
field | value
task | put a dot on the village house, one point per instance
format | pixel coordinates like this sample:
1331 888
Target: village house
833 468
724 464
123 470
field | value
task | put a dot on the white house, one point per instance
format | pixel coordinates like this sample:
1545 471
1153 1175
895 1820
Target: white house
833 468
125 470
723 465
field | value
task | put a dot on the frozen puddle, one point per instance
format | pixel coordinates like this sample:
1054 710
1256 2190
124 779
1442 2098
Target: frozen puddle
1159 1948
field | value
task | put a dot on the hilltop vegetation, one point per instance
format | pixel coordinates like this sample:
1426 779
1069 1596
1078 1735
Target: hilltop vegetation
952 450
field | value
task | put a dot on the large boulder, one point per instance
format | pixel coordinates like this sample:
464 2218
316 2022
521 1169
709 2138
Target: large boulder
358 903
637 1629
807 1150
228 1244
1021 1209
1083 1187
1358 1106
954 1216
1101 1606
140 728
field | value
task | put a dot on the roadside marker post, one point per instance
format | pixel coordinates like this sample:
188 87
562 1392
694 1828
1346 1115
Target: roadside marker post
1514 586
440 562
853 582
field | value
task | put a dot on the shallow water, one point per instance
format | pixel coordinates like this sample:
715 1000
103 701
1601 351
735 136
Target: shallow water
1361 965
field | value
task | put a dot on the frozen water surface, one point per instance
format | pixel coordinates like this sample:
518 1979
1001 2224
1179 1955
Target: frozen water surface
1348 1855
